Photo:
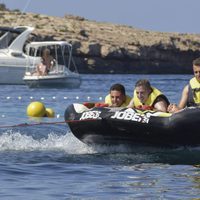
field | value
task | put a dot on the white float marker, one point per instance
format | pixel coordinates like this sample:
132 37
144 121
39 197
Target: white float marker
77 97
42 98
7 97
53 97
19 98
88 98
100 98
64 97
31 97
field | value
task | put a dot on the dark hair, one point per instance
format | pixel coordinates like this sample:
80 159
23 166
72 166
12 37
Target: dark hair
196 62
143 82
118 87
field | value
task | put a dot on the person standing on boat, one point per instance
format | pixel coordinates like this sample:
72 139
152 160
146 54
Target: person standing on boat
46 64
146 97
117 96
191 92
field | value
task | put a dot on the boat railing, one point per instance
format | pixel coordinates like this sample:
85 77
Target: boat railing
32 64
57 69
61 53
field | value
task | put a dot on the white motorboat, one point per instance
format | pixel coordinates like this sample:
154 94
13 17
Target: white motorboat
63 72
13 59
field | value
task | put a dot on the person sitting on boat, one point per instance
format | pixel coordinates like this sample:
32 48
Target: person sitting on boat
117 96
191 92
146 97
46 64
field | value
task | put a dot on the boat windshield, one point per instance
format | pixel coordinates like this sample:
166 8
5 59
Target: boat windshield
7 36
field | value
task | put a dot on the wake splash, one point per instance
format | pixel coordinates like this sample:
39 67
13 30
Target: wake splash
16 141
71 146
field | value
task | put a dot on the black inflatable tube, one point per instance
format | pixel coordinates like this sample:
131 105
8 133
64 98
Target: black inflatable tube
133 127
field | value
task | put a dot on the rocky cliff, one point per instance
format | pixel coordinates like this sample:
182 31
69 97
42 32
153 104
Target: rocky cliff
111 48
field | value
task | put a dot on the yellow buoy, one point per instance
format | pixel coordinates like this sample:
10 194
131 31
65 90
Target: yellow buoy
36 109
50 112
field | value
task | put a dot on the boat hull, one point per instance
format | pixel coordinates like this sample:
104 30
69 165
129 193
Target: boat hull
50 81
12 75
125 126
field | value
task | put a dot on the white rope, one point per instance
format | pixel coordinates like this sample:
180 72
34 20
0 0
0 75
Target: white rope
20 98
53 97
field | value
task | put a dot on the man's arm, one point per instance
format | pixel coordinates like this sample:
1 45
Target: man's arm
184 97
131 104
161 105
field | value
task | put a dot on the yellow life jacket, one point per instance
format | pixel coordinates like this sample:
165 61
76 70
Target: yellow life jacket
108 100
151 99
195 86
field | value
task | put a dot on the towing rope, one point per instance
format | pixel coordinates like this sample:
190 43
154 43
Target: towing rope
33 124
43 123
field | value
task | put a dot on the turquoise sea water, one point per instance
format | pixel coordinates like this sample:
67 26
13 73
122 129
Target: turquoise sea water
41 159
